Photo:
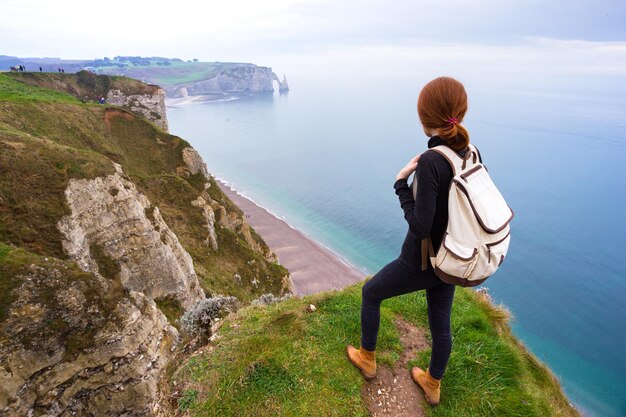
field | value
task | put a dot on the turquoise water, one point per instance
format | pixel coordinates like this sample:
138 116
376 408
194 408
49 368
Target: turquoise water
325 159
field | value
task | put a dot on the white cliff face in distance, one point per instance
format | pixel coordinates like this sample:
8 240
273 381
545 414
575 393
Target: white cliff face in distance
241 78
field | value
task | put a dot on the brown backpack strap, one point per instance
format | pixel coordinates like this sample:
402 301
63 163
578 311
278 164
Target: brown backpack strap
427 250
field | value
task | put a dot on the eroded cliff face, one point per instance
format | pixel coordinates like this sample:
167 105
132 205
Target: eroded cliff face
239 79
79 344
110 214
150 106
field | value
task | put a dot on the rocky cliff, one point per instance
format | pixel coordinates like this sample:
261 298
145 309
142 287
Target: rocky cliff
110 230
236 78
110 213
76 343
150 105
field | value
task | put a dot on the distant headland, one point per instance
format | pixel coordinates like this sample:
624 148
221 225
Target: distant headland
179 78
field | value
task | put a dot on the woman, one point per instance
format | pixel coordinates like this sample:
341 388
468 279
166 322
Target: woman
441 106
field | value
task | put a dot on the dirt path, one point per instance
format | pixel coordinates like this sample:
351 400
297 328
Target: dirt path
393 393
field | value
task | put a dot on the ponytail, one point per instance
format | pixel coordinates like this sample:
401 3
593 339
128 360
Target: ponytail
455 135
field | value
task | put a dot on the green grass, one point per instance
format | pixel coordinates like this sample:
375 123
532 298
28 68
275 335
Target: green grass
281 360
7 284
170 75
83 85
171 308
12 90
33 176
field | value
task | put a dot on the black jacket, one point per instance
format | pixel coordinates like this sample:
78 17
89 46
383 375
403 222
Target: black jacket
429 214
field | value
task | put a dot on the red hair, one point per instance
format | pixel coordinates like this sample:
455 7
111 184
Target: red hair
441 105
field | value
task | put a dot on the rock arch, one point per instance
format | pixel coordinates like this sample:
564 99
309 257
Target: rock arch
282 85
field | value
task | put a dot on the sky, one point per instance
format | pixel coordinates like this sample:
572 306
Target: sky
565 38
235 29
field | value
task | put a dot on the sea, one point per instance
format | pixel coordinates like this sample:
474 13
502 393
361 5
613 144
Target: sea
324 157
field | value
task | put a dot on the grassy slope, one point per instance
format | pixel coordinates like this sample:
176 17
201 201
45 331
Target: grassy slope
83 85
281 360
48 137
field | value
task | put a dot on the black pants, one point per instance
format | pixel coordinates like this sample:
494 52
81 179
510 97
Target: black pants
398 278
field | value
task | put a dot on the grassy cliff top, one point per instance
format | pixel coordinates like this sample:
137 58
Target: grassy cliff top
82 85
284 360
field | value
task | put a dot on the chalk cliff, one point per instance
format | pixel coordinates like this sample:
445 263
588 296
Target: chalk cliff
151 106
78 344
236 78
109 212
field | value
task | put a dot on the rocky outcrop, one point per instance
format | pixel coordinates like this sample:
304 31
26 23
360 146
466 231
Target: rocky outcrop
209 216
150 106
194 162
77 344
110 219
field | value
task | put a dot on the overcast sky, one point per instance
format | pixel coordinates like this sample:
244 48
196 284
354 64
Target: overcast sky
236 29
531 43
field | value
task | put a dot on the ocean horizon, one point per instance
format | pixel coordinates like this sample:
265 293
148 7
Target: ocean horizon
326 165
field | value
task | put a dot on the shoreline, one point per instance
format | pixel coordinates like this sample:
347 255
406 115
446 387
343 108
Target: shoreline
204 98
312 266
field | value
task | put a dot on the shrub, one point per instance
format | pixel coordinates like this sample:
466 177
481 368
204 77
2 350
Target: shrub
199 318
267 299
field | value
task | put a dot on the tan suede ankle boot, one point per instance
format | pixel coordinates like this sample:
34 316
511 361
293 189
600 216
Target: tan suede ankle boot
363 359
430 385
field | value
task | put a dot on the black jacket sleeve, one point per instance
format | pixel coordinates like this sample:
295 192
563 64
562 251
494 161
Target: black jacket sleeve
421 213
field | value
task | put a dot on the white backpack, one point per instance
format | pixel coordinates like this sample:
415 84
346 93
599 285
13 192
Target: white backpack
477 235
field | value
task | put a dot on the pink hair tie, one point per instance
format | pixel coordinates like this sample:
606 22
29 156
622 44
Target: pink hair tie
453 120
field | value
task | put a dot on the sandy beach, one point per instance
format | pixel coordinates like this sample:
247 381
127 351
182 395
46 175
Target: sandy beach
313 267
206 98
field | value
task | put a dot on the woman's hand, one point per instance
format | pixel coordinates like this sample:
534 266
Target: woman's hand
408 168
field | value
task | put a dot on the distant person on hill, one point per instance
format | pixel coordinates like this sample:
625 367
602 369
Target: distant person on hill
441 106
40 69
